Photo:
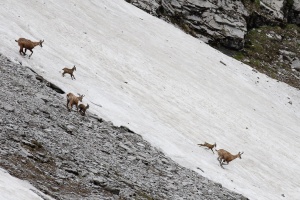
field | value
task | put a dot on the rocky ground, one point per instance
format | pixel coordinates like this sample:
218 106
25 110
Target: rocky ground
69 156
274 51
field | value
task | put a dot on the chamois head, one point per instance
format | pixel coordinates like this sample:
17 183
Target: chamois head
240 155
80 97
41 43
74 68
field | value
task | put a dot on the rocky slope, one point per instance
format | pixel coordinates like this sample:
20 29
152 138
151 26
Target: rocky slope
69 156
211 21
264 34
274 51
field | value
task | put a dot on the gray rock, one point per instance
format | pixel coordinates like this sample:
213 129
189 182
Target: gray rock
71 129
125 147
296 64
73 171
94 171
100 181
7 107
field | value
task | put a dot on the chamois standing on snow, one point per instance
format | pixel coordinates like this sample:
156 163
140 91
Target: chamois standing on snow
83 108
209 146
69 71
28 45
225 156
73 100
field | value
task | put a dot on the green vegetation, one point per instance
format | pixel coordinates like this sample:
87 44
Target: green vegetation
144 195
251 4
289 3
270 50
239 56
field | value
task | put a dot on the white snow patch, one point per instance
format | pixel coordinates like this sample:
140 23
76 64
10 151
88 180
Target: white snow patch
12 188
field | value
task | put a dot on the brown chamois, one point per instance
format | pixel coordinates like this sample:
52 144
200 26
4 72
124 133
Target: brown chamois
225 156
209 146
27 45
69 71
83 108
73 100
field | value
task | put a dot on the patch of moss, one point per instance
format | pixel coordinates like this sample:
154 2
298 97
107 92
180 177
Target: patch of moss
144 195
252 5
289 3
239 56
270 50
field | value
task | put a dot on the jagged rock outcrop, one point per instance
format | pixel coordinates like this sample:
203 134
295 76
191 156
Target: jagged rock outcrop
222 22
272 8
265 12
215 22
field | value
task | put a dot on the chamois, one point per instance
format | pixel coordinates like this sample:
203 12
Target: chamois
27 44
69 71
209 146
73 100
225 156
83 108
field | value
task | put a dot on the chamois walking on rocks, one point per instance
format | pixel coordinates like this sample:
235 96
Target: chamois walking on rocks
83 108
209 146
28 45
225 156
69 71
73 100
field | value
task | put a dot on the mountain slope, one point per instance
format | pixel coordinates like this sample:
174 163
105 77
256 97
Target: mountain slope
69 156
167 86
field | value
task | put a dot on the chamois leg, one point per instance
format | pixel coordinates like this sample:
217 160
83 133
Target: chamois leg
81 112
21 51
68 105
212 151
73 76
220 160
222 166
31 52
63 74
223 163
